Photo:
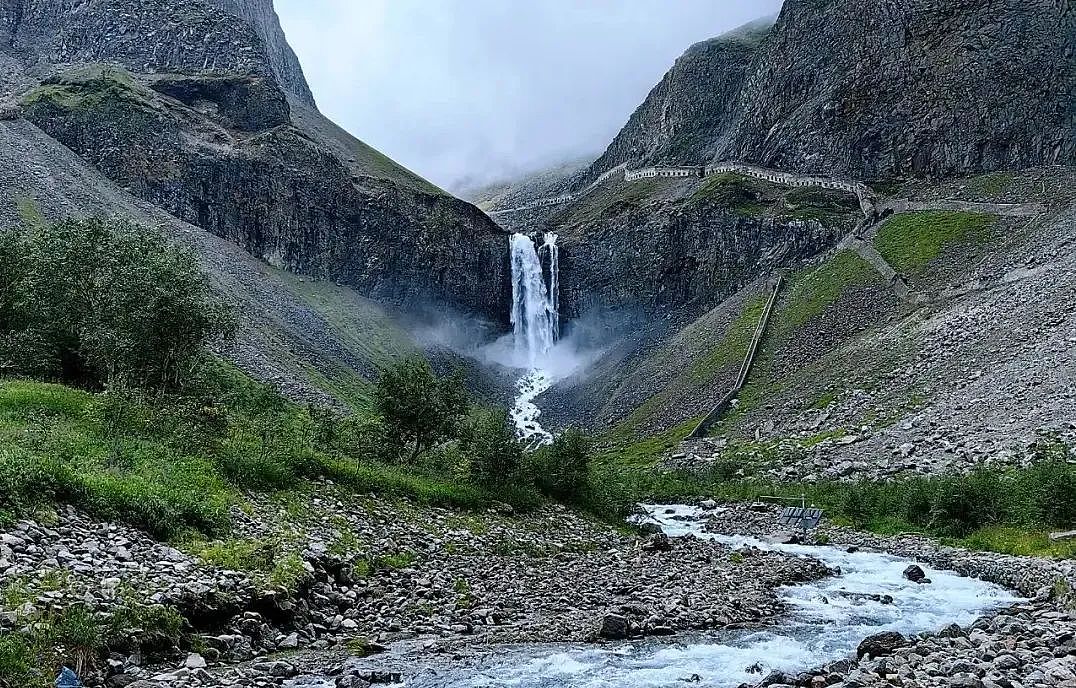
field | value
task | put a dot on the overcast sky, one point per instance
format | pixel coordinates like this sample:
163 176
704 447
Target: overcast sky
463 91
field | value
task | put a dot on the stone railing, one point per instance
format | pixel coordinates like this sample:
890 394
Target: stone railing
862 191
650 172
787 178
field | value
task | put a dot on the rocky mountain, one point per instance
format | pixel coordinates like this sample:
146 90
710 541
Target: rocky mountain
913 88
201 109
682 118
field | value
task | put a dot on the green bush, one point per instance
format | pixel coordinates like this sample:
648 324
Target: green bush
494 453
99 303
419 409
562 470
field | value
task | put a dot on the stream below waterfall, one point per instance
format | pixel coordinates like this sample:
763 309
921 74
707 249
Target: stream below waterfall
826 621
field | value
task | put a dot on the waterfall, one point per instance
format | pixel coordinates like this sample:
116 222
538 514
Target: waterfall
535 328
534 317
554 283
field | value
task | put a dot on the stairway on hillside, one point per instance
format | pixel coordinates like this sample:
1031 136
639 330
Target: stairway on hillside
745 367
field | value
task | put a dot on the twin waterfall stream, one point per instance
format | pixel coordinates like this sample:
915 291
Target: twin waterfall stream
535 329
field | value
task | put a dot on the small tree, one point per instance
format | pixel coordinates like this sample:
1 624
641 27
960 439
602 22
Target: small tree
419 409
98 303
494 451
12 265
562 469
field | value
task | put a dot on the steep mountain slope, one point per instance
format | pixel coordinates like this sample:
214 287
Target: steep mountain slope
682 117
914 88
195 117
854 380
201 109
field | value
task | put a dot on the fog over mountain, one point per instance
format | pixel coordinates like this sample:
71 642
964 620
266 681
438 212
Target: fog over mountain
471 91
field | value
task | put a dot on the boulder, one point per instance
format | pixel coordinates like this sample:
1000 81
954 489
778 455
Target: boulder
614 627
881 644
915 574
658 542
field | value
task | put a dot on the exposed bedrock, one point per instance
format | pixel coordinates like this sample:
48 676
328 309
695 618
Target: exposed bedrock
228 154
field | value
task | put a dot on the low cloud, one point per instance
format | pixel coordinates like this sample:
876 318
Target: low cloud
462 91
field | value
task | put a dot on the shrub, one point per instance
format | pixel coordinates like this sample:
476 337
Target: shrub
419 409
96 303
561 470
495 454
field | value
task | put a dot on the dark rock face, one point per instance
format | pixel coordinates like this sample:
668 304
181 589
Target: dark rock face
235 36
668 257
260 15
142 36
223 154
908 88
243 103
680 119
918 87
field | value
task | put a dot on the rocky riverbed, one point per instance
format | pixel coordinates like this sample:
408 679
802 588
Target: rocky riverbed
334 575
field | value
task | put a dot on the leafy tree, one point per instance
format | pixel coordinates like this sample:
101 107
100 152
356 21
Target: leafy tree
11 268
420 410
495 453
104 303
561 470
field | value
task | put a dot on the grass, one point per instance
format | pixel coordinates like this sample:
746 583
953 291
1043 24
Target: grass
743 195
728 352
910 241
90 87
819 204
991 184
81 639
623 449
824 400
29 211
811 291
367 331
733 346
176 466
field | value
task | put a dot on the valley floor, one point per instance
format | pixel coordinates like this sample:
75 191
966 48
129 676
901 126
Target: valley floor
313 580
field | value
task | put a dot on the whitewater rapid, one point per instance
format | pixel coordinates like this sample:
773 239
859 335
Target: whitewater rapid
826 622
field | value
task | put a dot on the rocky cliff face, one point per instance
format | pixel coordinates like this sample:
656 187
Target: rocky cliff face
687 244
885 89
260 15
681 119
918 87
202 110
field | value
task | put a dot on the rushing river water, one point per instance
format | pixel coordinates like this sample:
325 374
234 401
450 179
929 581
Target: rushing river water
826 621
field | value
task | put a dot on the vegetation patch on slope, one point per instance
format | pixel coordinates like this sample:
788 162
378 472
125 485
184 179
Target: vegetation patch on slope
89 87
744 195
811 290
910 241
819 204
